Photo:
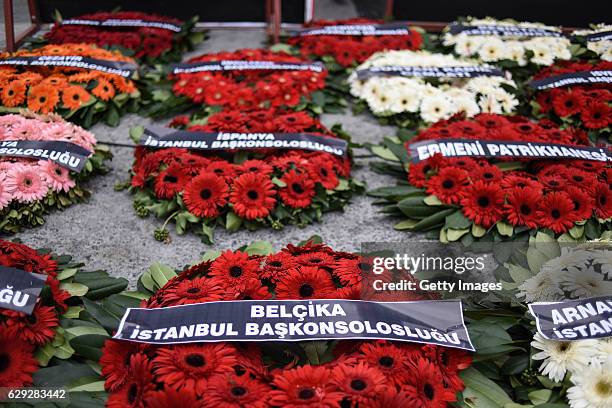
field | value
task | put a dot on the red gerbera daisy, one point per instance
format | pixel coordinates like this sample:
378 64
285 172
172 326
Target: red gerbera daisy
321 170
389 359
596 115
17 362
319 259
138 384
205 194
352 271
37 328
191 366
306 282
450 361
511 181
522 205
276 266
196 290
232 391
567 103
222 169
482 203
425 386
488 173
115 362
169 397
305 386
603 201
448 184
583 202
249 289
299 190
361 384
252 196
256 166
233 268
556 211
392 398
170 181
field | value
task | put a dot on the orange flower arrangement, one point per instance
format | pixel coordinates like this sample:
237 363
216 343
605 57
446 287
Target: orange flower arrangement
65 90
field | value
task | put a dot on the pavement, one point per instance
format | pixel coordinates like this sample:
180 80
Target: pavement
106 233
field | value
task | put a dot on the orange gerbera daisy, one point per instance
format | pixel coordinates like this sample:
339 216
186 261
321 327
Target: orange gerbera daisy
14 93
104 90
42 98
74 96
83 77
56 80
123 85
30 78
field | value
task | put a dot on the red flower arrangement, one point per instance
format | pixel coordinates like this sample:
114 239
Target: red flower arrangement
587 107
462 195
351 373
148 36
245 89
29 342
256 188
350 50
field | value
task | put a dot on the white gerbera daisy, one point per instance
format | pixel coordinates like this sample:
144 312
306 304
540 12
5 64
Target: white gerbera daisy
543 287
542 54
492 50
585 282
563 356
604 258
435 108
592 387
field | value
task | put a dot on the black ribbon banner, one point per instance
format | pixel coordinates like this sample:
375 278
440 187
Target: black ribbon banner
396 28
162 137
122 68
502 30
237 65
574 319
573 78
470 71
66 154
481 148
19 289
600 36
116 22
430 321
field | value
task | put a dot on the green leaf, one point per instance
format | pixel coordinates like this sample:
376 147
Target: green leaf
384 153
93 386
540 396
44 354
480 392
577 231
232 222
161 274
458 221
85 330
504 229
455 234
406 224
478 231
66 273
75 289
259 248
89 345
432 200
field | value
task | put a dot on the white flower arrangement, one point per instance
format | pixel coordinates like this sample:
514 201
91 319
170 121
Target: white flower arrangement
430 100
597 41
519 43
577 272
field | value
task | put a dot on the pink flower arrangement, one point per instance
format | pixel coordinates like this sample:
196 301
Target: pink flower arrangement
27 183
26 180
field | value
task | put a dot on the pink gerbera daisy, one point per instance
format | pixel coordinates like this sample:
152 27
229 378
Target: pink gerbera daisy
5 196
25 184
56 176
